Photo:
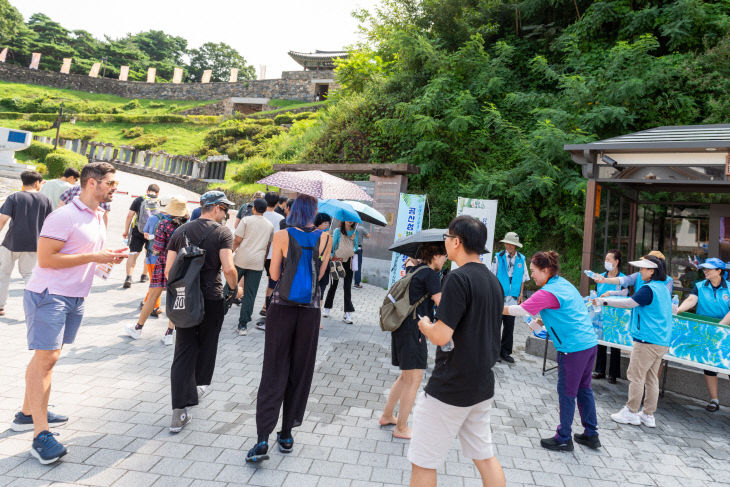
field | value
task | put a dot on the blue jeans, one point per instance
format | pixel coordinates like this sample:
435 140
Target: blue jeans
574 383
358 272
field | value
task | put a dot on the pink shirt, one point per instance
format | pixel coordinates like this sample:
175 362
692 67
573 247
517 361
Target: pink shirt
539 301
83 231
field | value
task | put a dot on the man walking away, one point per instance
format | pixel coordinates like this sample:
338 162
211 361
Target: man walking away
510 268
69 247
140 210
272 199
458 396
281 206
27 210
55 187
251 243
195 348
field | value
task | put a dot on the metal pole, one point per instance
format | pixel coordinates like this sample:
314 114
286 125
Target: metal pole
58 125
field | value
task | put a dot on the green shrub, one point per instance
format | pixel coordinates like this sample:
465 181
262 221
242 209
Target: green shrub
59 160
252 170
284 118
302 115
131 105
12 115
38 126
133 132
260 121
41 168
156 104
39 150
49 117
242 149
147 142
268 132
71 133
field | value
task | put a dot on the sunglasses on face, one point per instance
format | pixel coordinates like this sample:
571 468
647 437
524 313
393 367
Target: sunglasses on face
446 236
109 182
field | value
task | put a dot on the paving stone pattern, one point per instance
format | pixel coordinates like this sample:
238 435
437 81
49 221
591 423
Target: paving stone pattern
117 394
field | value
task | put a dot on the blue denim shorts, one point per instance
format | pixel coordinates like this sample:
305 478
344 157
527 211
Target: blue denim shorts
52 320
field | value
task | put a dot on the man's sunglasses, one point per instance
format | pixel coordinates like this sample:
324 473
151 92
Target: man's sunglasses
109 182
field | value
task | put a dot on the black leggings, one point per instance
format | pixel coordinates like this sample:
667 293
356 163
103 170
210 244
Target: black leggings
349 308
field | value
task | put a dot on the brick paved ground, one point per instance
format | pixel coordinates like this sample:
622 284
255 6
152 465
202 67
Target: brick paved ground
117 394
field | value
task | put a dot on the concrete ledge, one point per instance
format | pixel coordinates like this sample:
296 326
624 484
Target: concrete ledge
680 379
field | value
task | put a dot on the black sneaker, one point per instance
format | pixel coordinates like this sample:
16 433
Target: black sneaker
258 453
127 283
589 441
556 445
508 359
143 278
25 423
262 311
286 445
46 449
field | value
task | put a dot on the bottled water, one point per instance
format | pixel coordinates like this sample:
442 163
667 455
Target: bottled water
675 304
596 307
448 347
589 273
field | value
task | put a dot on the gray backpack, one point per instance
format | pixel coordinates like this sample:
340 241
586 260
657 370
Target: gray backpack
397 303
184 304
149 207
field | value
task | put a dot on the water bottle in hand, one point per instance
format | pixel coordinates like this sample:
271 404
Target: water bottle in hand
448 347
596 307
589 273
675 304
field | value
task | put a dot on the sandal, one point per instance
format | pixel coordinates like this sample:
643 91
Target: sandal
713 406
156 313
2 311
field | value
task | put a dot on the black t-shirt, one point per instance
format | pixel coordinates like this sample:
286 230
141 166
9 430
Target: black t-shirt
136 205
27 211
426 282
220 238
471 304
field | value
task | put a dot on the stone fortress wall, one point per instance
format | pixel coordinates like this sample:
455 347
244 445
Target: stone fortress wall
294 85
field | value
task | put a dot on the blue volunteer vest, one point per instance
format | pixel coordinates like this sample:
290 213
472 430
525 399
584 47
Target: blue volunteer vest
510 288
570 325
602 288
715 305
653 323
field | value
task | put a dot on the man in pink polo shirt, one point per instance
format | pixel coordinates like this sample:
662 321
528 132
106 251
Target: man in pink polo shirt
69 248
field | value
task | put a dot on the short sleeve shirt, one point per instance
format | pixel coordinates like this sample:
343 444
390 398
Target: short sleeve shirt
74 191
274 218
27 211
54 189
256 233
217 239
471 304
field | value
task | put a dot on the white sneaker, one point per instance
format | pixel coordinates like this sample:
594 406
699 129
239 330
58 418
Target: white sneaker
625 416
168 339
261 325
325 313
202 391
133 333
347 318
647 419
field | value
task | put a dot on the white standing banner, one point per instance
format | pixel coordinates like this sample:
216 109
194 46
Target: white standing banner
123 73
410 221
234 75
3 54
35 60
66 67
177 75
486 212
94 71
206 76
151 73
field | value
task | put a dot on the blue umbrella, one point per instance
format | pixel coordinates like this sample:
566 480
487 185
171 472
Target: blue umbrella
339 211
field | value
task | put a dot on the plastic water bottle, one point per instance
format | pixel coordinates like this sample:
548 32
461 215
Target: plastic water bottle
598 324
675 304
589 273
596 308
448 347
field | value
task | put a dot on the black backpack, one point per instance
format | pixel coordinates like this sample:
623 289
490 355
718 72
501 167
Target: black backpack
184 304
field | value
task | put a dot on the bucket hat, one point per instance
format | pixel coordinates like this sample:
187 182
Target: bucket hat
512 238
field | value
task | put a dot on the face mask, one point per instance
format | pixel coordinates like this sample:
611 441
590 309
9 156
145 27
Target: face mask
608 266
151 195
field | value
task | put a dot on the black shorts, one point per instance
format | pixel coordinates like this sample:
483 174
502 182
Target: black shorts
709 373
136 241
409 347
267 264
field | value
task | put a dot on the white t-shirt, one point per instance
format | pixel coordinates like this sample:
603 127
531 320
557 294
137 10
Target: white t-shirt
257 233
274 218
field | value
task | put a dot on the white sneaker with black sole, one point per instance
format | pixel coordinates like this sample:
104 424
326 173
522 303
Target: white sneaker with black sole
347 318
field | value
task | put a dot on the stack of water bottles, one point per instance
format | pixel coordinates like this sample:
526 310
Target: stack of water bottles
595 311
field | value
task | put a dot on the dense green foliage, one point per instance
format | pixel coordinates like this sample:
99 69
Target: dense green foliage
139 51
483 95
52 162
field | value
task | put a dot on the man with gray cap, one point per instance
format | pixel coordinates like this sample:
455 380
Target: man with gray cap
196 348
510 268
251 243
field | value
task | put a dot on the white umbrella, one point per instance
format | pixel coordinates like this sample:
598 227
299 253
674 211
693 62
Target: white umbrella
368 213
316 183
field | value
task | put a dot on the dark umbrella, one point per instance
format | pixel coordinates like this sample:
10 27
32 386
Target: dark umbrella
409 245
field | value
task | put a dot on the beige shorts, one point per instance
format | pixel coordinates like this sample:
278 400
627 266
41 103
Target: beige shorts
435 424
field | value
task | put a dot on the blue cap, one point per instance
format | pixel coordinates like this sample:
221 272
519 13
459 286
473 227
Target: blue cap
215 198
713 263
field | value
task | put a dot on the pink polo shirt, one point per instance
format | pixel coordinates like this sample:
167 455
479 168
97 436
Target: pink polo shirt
83 231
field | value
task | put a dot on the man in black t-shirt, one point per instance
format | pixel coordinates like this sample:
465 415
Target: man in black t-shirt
458 396
195 348
137 242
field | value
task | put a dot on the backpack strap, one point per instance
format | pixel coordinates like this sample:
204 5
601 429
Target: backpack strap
210 230
423 298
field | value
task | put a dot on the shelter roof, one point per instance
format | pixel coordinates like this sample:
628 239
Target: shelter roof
672 138
317 59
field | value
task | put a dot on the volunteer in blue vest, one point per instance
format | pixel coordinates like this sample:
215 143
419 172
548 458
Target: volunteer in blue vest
568 323
510 268
612 264
712 299
651 330
634 279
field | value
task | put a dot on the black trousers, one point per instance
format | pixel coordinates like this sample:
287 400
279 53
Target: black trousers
508 329
349 308
195 352
614 366
290 351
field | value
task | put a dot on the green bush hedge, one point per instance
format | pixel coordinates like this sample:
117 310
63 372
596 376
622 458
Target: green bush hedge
59 160
302 116
38 126
41 168
147 142
72 133
133 132
254 169
38 150
116 118
284 119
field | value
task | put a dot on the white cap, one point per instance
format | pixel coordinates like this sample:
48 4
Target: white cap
644 263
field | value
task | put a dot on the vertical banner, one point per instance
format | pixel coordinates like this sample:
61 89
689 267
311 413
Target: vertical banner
35 60
151 72
66 67
484 210
206 76
410 220
262 71
3 54
123 73
94 71
177 75
234 75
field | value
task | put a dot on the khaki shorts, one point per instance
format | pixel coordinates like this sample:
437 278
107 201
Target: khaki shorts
435 424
